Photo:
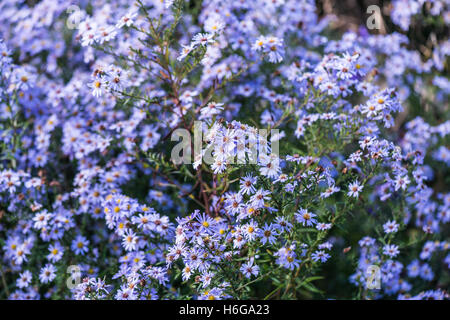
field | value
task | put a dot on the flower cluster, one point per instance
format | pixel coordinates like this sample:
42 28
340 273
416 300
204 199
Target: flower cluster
314 160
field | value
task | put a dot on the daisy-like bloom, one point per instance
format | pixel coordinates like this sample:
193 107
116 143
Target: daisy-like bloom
24 279
127 20
129 240
202 39
193 257
344 69
401 181
366 242
320 255
105 34
267 234
206 222
56 252
259 198
258 45
287 258
80 245
390 227
246 212
116 78
354 189
370 109
185 50
329 191
282 224
366 142
271 45
186 274
428 250
24 79
413 268
326 245
10 179
126 293
323 226
206 278
157 273
211 110
233 203
88 37
239 240
219 165
41 219
177 251
222 230
269 165
97 87
149 294
391 250
48 273
275 49
355 156
214 294
426 272
247 184
214 25
442 154
248 269
143 221
20 254
282 177
251 230
290 187
11 245
305 217
188 96
329 87
4 54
